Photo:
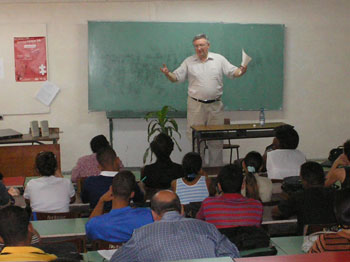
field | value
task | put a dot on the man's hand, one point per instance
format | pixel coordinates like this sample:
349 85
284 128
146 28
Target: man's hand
243 69
165 70
168 74
106 197
240 71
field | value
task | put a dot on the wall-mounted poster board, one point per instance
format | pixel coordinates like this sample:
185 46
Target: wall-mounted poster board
125 57
17 97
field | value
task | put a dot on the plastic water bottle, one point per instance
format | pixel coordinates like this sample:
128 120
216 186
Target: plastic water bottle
262 117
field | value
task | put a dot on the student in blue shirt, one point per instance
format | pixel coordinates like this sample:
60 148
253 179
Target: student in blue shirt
117 225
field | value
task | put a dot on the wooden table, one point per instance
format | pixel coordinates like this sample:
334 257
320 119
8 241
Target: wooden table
268 219
236 131
17 155
289 245
58 228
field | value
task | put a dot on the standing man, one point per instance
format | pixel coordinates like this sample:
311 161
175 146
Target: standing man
204 72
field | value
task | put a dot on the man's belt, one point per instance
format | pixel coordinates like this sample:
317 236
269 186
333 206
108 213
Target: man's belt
206 101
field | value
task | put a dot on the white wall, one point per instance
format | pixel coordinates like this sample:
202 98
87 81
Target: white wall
316 67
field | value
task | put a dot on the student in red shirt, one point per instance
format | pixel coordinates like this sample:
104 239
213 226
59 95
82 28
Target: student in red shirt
230 208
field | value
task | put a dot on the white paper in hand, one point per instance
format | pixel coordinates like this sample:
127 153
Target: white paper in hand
245 58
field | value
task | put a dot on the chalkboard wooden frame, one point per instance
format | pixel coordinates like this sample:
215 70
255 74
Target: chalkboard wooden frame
125 57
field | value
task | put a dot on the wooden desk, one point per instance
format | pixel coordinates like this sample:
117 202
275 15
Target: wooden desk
59 228
268 219
236 131
289 245
19 159
326 256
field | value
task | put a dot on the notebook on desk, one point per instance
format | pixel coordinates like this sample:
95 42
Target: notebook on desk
9 133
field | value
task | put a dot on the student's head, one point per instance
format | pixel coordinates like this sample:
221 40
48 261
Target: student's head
162 146
342 208
15 228
191 164
252 162
98 142
107 159
230 179
123 185
287 137
347 149
164 201
312 174
46 163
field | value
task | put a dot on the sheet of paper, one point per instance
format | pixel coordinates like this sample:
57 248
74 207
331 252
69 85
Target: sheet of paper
107 254
245 58
2 70
47 93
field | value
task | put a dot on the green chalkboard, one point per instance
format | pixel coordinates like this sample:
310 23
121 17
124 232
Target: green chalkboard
125 57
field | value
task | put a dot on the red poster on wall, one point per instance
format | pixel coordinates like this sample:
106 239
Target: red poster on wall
30 59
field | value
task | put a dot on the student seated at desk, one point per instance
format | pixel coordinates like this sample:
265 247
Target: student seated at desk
339 241
88 165
95 186
194 187
313 205
159 175
172 237
49 193
231 209
256 186
340 170
284 160
118 225
16 231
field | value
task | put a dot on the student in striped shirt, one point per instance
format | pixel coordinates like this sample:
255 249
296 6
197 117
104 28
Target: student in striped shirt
339 241
231 209
194 187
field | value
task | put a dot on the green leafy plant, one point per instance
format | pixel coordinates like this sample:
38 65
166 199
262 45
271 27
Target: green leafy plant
160 122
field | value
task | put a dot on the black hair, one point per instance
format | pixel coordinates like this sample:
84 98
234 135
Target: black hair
160 207
46 163
253 159
123 184
162 146
191 164
287 137
106 156
98 142
347 149
231 178
342 207
312 173
14 222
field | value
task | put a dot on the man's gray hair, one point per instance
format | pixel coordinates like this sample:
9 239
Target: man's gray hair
201 36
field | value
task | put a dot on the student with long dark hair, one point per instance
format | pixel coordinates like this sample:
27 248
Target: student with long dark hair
256 186
194 187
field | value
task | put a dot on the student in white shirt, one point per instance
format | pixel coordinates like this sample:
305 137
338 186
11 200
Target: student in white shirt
285 160
50 193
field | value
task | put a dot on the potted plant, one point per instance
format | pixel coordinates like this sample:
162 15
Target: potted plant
160 122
